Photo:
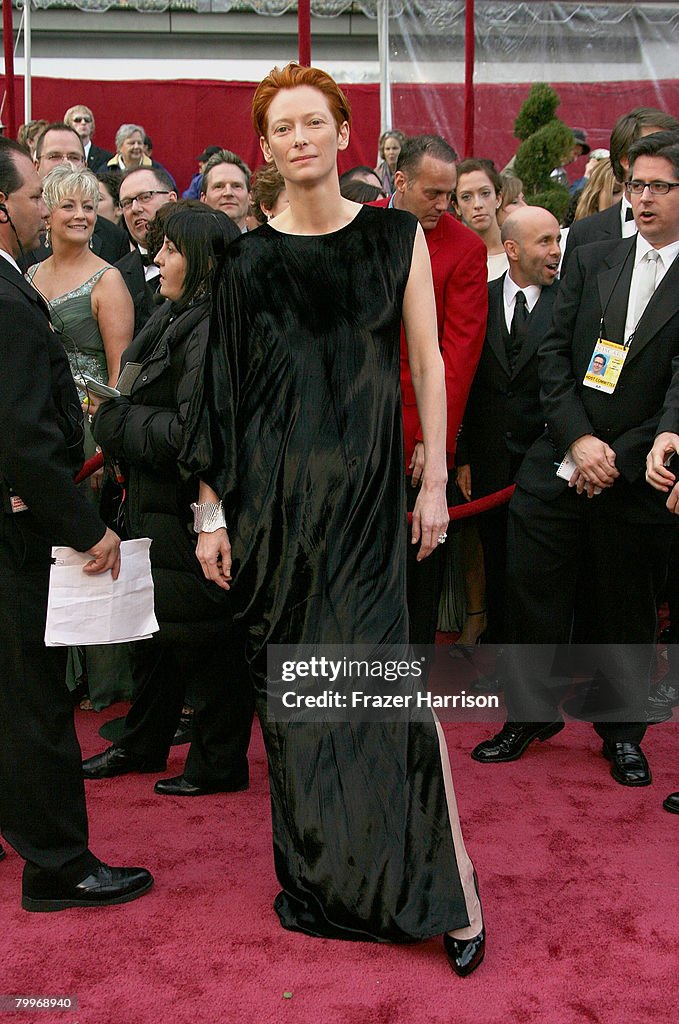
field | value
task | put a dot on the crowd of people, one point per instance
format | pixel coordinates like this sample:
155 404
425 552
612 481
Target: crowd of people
305 364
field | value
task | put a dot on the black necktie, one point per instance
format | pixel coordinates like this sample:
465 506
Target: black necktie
629 215
518 330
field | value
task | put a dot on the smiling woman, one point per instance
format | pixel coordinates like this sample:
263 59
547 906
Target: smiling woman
130 148
90 305
93 315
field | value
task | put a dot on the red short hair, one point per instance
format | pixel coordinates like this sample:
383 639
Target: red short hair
290 77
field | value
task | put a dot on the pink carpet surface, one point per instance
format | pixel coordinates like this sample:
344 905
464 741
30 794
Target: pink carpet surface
579 881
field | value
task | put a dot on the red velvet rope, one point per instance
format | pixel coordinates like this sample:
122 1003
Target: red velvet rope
475 508
470 508
90 467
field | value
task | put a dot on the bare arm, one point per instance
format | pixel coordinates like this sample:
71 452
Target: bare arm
430 517
113 309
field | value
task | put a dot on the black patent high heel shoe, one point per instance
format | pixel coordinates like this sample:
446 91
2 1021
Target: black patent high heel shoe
465 955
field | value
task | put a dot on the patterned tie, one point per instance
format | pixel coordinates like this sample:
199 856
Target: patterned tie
518 331
648 269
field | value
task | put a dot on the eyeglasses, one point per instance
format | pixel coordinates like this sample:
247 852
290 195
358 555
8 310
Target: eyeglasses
55 158
142 197
82 118
656 188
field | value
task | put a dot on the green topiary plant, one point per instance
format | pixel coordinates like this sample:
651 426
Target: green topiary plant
538 108
546 144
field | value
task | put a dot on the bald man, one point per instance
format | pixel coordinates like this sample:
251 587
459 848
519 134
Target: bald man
503 416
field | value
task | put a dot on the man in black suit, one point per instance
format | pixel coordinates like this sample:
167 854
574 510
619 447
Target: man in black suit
664 479
42 797
618 220
620 298
142 192
503 416
81 119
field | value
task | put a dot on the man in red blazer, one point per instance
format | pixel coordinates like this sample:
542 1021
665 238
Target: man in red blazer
424 181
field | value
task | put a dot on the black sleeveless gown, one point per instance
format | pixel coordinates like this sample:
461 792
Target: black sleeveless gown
299 429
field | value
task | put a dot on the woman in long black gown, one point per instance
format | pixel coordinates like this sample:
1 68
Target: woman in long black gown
298 432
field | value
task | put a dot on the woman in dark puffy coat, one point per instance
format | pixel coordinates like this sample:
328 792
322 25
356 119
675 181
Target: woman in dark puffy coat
144 432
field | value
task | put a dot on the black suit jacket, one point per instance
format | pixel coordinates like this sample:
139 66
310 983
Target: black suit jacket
40 421
597 285
600 227
108 241
503 416
98 158
132 269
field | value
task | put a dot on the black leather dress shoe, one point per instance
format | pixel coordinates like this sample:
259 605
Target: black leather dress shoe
512 740
671 803
103 887
465 955
629 767
118 761
179 786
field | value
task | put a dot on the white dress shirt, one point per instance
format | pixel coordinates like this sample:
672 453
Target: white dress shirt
509 290
152 271
667 256
10 259
629 227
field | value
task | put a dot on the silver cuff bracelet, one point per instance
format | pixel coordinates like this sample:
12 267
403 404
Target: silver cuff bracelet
208 516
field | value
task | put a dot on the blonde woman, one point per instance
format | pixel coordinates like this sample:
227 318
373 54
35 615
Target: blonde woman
92 312
91 307
600 192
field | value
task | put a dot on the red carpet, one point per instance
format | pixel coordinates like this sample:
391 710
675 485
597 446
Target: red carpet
579 879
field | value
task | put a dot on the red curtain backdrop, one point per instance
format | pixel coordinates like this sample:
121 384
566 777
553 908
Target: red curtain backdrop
182 117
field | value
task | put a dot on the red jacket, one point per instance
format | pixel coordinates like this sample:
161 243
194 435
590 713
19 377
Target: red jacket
460 270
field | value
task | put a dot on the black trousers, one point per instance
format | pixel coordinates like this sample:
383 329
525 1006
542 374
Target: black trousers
493 533
42 795
626 564
217 675
492 526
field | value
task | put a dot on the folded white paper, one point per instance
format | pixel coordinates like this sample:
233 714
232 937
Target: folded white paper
568 466
84 609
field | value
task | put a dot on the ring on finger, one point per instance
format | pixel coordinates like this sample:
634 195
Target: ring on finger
442 538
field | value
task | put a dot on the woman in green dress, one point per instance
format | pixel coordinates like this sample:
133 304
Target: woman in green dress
93 313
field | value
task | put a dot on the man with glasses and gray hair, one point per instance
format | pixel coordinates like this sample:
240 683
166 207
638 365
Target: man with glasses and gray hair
81 119
620 298
142 192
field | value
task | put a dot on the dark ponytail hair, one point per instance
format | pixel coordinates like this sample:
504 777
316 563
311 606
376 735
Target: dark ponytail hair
201 235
